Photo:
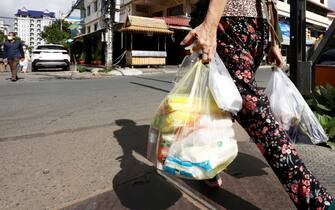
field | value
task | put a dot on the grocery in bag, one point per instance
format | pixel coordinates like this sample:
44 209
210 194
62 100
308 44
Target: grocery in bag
291 110
190 136
219 82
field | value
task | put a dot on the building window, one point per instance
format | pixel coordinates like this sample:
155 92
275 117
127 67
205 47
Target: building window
174 11
88 10
157 14
95 6
96 27
88 29
142 8
83 13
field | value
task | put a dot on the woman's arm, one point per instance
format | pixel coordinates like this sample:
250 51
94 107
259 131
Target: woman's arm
205 33
275 51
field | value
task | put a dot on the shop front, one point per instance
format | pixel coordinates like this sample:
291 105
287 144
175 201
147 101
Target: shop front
144 40
90 48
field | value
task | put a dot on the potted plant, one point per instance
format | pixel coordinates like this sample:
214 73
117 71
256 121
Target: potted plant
97 56
82 58
98 59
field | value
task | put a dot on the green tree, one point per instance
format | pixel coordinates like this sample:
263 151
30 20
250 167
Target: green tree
2 37
53 33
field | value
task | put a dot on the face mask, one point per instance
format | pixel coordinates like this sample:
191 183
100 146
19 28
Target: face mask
10 38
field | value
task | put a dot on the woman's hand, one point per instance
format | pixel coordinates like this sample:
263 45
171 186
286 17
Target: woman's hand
276 56
204 36
204 39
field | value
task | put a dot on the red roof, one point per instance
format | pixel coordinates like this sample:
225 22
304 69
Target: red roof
176 20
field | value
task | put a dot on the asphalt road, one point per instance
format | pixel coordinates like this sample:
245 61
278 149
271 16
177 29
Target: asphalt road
66 140
57 137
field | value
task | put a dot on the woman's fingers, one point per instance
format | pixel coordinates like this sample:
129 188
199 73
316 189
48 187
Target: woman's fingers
208 54
189 38
203 40
197 46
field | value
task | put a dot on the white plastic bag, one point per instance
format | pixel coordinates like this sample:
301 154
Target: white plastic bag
223 88
291 110
221 85
189 135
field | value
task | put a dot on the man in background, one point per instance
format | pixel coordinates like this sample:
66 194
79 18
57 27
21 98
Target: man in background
13 53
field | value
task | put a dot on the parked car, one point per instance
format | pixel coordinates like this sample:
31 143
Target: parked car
50 56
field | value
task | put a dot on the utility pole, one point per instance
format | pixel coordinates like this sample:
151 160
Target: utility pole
300 68
110 30
61 23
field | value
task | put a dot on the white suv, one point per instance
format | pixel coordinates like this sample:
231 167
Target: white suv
50 56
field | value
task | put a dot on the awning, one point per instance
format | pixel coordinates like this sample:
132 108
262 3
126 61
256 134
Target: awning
177 22
144 24
88 34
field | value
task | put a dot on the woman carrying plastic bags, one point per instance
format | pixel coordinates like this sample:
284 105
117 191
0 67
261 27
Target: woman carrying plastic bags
240 37
192 133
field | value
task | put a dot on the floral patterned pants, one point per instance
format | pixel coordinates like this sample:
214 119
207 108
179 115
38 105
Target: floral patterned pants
241 45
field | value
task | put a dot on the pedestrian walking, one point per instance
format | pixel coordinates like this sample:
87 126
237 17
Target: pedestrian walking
24 63
13 53
2 63
239 31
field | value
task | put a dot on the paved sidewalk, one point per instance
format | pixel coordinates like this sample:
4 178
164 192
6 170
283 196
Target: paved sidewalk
94 74
249 182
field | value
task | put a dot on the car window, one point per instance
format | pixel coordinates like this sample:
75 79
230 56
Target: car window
51 47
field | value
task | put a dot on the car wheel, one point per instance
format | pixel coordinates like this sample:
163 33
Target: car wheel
34 68
67 68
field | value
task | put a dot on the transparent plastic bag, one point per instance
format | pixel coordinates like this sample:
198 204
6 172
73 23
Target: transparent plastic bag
221 85
291 110
189 135
223 88
185 65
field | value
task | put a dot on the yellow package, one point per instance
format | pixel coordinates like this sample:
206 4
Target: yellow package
170 122
184 103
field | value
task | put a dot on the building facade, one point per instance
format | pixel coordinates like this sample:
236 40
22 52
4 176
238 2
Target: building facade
3 27
29 24
155 8
317 18
94 14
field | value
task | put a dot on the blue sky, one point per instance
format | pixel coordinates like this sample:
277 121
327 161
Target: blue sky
9 7
331 4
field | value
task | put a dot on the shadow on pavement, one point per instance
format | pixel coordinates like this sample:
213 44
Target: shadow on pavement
152 79
137 185
246 165
247 183
149 86
222 199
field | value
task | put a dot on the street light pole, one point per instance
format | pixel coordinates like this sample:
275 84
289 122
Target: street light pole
61 23
300 68
110 31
